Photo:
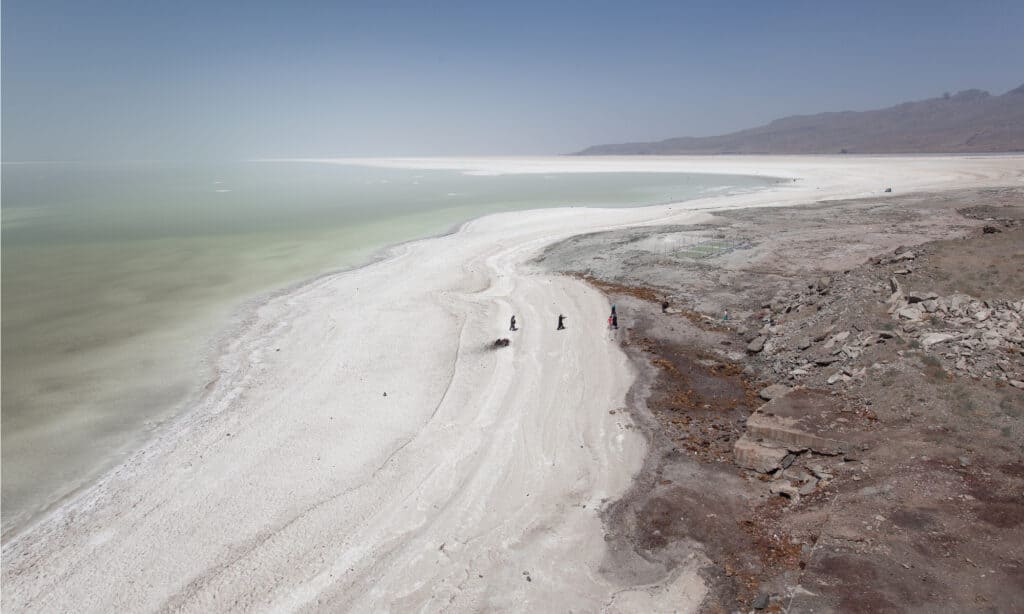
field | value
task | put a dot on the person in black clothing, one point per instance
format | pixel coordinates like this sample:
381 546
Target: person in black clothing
561 325
512 325
615 321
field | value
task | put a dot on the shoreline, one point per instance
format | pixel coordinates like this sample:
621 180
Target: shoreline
179 345
234 321
475 296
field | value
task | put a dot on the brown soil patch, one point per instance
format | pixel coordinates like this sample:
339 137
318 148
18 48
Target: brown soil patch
989 266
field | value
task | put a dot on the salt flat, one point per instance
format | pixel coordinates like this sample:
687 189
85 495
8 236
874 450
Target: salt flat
361 448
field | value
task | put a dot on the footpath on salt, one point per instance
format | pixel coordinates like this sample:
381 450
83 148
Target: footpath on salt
363 448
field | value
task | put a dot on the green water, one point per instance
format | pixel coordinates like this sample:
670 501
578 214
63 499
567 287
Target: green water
116 277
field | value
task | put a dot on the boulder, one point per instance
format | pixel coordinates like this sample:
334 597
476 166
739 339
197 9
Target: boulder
770 392
808 487
757 344
854 373
760 602
797 475
911 312
750 454
896 301
992 339
920 297
837 338
786 489
798 420
819 471
935 338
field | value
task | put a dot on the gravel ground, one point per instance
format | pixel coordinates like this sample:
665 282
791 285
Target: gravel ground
886 472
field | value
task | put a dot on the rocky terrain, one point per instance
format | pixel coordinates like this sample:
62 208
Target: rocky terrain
833 396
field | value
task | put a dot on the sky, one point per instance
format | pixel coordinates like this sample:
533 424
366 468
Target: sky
131 80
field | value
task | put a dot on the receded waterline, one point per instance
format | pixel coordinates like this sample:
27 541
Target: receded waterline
116 276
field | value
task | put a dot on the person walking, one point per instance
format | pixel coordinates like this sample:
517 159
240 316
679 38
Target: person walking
512 325
615 321
561 324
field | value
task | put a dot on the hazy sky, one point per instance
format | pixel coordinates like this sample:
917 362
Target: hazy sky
177 80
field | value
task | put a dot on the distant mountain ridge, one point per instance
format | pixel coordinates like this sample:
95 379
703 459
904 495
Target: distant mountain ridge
971 121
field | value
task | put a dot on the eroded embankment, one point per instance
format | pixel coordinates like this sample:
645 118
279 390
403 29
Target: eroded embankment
848 438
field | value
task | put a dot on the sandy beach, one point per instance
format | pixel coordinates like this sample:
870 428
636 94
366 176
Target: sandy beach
361 447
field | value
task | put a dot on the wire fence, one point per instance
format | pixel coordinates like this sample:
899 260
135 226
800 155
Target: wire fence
707 248
691 245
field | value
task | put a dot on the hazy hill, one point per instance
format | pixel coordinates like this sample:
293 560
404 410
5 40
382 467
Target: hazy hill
970 121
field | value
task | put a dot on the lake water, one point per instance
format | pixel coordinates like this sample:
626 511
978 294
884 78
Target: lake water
117 276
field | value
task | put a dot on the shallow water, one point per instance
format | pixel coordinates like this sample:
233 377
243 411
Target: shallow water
116 277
